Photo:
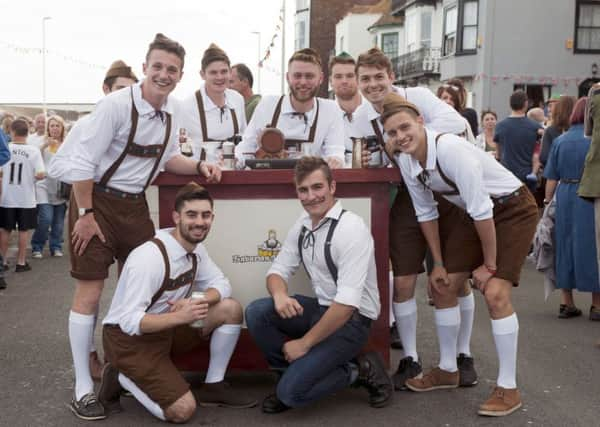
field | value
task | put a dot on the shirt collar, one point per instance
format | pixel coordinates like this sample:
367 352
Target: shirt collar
286 107
143 107
174 249
333 213
208 103
415 168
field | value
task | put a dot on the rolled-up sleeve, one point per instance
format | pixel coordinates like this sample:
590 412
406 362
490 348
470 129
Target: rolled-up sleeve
438 115
288 260
352 254
210 276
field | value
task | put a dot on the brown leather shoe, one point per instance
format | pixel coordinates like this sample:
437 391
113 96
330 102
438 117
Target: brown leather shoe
221 394
96 366
434 380
502 401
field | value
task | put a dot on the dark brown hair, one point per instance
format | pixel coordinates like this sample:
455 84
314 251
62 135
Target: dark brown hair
191 191
454 92
213 54
19 127
561 113
518 100
486 112
306 55
394 104
162 42
244 73
309 164
341 60
374 57
578 114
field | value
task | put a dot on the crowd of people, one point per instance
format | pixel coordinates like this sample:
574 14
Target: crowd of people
467 209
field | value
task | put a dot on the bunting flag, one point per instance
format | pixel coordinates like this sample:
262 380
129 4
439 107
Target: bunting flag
278 29
531 79
38 51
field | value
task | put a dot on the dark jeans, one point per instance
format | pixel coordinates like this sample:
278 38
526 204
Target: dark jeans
325 369
51 220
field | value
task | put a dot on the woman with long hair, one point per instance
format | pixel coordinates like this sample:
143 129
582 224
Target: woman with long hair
561 120
485 140
51 207
575 243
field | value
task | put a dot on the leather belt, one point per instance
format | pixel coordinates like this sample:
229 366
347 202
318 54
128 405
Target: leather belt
118 193
503 199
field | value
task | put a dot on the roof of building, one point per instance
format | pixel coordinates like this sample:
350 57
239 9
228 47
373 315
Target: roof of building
383 7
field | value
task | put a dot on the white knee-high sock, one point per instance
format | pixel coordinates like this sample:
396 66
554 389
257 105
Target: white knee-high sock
467 314
447 322
153 407
406 322
81 331
506 336
222 343
93 346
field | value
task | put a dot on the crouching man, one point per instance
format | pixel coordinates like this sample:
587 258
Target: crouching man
150 315
327 330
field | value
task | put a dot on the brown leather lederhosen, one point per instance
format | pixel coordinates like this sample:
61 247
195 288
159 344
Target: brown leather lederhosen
203 126
132 149
146 359
295 142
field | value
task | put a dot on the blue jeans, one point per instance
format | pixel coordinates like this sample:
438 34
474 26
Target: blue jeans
325 369
51 220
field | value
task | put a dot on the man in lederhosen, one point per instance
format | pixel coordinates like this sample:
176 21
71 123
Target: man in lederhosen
375 78
300 116
125 142
214 112
154 315
504 214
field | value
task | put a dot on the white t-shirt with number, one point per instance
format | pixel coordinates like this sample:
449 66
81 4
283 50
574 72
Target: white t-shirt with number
18 176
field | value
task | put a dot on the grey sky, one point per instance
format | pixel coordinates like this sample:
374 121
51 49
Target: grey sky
98 32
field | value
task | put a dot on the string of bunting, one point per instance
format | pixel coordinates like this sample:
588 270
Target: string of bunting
38 51
524 79
278 28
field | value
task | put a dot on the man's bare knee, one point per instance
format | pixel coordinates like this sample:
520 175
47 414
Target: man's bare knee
182 409
87 296
404 287
232 312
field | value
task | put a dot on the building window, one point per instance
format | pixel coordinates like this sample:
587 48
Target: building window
300 35
587 26
449 42
302 5
389 44
426 29
468 26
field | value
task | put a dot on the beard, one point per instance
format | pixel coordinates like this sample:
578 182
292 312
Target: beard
308 97
346 94
185 233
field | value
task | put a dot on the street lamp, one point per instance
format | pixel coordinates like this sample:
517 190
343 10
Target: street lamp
44 19
259 67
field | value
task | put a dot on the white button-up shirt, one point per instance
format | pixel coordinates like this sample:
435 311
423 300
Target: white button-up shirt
477 175
352 251
102 137
144 273
329 135
349 124
219 123
60 164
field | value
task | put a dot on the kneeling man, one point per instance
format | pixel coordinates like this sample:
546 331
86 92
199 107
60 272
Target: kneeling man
328 330
151 312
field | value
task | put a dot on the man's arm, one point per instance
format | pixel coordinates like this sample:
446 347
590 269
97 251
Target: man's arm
188 311
430 230
285 306
182 165
85 227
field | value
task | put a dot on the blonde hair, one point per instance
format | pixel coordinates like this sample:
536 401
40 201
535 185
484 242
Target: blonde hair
60 121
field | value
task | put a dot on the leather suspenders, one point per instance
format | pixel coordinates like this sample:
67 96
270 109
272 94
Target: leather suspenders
328 259
423 176
168 284
137 150
203 126
295 142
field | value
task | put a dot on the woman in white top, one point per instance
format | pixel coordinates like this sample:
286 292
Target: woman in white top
51 207
485 140
504 214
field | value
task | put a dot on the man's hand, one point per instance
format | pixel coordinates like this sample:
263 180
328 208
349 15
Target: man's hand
295 349
175 305
287 307
365 156
211 171
481 276
334 163
190 310
84 230
438 279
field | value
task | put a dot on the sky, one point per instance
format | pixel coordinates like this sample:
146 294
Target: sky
83 37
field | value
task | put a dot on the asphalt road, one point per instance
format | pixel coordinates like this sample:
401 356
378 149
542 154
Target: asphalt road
558 367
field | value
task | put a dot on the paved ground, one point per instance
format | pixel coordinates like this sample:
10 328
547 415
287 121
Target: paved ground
558 367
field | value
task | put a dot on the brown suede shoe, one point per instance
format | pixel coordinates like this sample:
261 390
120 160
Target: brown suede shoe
221 394
502 401
96 366
434 380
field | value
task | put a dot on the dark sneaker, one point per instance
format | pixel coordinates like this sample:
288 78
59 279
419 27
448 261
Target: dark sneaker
594 313
109 392
566 312
407 369
221 394
22 268
466 369
2 283
502 401
272 405
435 379
88 408
395 341
372 376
